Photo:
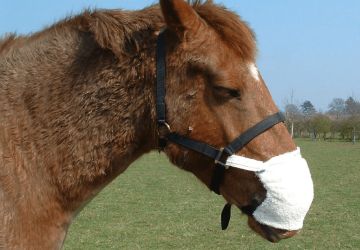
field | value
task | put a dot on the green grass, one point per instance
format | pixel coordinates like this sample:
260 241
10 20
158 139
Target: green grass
154 205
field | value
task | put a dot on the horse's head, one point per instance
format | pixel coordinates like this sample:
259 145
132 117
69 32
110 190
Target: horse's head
214 93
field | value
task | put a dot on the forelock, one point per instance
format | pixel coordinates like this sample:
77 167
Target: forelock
233 31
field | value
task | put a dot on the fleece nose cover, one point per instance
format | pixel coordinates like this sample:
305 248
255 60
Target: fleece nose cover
289 186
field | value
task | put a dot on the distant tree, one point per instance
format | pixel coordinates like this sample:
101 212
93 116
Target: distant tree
345 129
300 127
335 127
352 107
355 124
337 107
348 127
308 109
293 115
321 124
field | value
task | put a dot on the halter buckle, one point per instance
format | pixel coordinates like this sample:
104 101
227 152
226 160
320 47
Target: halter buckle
218 158
163 130
163 124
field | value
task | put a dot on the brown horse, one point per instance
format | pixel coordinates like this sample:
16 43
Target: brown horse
77 107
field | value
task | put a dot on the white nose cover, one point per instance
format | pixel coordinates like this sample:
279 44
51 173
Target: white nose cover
289 186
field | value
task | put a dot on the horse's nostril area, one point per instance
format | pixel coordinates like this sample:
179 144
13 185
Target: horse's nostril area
288 234
275 235
271 234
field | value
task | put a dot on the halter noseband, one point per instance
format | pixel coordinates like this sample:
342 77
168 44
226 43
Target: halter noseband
219 155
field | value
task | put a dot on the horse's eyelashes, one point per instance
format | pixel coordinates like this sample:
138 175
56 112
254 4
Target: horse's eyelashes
234 93
227 92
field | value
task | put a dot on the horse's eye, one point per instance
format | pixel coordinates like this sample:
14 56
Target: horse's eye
227 92
234 93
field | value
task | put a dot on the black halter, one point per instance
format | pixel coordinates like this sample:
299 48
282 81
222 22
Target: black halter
219 155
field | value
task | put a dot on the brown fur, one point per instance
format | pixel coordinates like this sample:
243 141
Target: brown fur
9 42
77 108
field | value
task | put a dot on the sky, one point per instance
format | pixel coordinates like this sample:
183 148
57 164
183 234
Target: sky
308 49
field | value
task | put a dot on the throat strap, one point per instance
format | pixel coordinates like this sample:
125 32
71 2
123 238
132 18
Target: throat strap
160 79
161 89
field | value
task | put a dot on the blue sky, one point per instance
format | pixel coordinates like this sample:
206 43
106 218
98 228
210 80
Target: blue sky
308 47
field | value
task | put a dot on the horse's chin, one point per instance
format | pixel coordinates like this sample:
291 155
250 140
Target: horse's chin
269 233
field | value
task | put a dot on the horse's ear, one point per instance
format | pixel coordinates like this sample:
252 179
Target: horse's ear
180 17
107 30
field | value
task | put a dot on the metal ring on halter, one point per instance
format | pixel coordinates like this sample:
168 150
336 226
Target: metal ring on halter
166 125
163 128
163 131
218 159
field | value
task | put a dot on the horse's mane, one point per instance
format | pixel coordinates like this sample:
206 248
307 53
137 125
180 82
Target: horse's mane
117 29
7 42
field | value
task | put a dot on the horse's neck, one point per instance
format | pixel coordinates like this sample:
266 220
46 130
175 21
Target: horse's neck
73 119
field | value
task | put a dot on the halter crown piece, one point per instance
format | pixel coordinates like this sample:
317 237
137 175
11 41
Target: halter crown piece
224 157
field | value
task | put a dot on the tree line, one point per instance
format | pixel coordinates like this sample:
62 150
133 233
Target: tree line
340 121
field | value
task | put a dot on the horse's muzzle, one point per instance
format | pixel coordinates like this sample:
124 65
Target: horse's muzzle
269 233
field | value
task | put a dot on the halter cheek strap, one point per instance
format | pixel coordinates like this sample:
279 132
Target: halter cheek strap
219 156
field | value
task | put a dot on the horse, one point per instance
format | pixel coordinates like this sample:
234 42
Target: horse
78 105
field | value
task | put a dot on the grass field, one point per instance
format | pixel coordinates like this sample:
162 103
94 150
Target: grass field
156 206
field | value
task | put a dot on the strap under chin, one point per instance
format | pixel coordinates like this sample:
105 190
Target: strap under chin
226 213
217 178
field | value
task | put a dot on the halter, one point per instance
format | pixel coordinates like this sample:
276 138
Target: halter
219 155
